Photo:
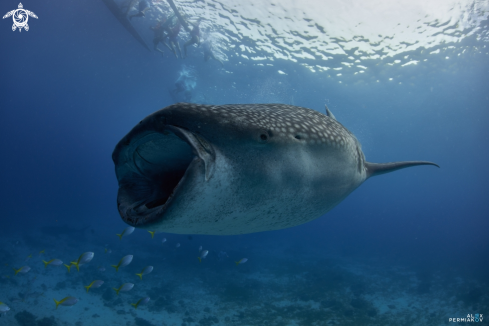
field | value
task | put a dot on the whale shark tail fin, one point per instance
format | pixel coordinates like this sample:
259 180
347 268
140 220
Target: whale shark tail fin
374 169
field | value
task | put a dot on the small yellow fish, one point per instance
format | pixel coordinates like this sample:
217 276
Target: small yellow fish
241 261
126 260
152 234
124 288
42 251
83 259
76 265
141 301
68 301
127 231
68 266
146 270
4 308
95 284
23 270
54 262
203 254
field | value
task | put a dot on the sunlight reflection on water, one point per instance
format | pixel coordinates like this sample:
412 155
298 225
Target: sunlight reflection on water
341 37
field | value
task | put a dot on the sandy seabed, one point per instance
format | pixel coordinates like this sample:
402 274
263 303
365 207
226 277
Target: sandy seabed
275 287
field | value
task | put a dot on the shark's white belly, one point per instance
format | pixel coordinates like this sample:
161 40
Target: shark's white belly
287 192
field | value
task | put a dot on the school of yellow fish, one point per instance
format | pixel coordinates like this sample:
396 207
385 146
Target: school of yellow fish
86 257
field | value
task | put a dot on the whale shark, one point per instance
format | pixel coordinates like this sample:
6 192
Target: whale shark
239 168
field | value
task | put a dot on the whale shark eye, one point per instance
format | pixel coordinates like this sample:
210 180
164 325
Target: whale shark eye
264 136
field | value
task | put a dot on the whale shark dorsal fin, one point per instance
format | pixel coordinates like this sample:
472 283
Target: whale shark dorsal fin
329 113
374 169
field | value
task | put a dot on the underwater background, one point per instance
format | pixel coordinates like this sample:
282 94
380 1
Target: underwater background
409 78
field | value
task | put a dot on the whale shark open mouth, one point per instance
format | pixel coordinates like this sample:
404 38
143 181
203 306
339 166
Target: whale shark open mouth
157 166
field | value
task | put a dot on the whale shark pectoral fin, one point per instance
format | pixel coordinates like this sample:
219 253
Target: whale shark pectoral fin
374 169
329 113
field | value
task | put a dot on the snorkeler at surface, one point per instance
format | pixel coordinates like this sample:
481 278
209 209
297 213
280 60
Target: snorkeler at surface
160 34
172 39
194 33
208 53
194 36
144 6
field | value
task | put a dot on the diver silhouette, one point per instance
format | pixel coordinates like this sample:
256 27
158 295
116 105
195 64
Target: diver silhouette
184 85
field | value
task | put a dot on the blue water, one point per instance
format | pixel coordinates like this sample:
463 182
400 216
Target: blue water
407 248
